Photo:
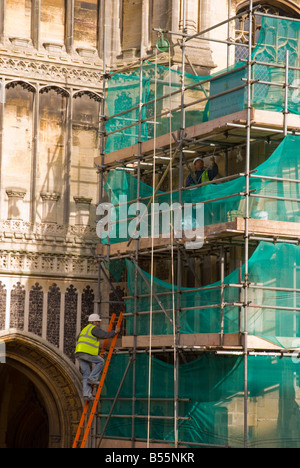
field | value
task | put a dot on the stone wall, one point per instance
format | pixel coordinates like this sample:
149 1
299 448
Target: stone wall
54 312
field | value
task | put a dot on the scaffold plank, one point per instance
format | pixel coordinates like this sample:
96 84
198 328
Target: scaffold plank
219 128
236 228
230 341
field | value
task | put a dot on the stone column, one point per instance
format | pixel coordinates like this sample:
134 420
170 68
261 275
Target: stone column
35 143
198 18
145 39
198 53
2 20
205 17
109 30
212 13
35 22
191 15
68 157
69 26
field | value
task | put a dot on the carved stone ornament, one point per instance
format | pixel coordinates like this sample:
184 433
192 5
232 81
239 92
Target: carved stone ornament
43 70
43 264
50 196
16 193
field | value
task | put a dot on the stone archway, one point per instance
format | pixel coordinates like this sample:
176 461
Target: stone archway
40 399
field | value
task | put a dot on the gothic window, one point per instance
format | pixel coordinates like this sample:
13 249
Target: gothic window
242 25
115 301
70 321
17 307
36 299
2 306
53 315
87 305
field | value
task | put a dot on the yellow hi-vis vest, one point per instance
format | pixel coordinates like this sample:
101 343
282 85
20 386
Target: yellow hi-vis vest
204 177
88 343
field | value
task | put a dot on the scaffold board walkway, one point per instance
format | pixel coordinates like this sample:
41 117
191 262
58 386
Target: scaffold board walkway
231 229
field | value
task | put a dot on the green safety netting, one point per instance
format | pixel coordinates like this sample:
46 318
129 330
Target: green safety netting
124 94
273 313
276 200
277 36
210 407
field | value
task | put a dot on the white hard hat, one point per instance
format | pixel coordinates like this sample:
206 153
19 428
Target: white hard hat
94 318
197 159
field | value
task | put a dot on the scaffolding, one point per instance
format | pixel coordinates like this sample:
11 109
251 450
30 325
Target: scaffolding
158 159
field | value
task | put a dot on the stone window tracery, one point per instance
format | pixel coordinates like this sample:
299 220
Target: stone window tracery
53 315
87 305
17 306
71 299
242 26
36 300
2 305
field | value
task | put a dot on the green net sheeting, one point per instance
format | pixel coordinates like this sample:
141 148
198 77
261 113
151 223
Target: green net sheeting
156 81
277 37
210 408
276 200
124 94
273 313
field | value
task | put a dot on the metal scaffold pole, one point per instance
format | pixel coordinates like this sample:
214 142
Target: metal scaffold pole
247 214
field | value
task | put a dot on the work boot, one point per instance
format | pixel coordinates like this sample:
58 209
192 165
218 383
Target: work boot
88 398
93 382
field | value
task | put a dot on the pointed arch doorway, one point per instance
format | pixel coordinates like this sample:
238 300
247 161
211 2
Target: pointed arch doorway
40 394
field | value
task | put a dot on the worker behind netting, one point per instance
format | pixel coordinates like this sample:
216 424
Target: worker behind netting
201 174
87 353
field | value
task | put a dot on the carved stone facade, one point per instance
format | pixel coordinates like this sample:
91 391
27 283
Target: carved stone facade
51 67
50 98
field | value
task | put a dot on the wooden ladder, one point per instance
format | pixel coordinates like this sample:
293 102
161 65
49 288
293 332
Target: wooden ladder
100 386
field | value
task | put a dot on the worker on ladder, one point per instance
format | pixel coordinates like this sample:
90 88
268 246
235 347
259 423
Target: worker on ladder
87 353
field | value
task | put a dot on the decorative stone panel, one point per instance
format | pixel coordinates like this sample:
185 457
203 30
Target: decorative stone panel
87 305
53 315
36 301
70 321
17 307
2 306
